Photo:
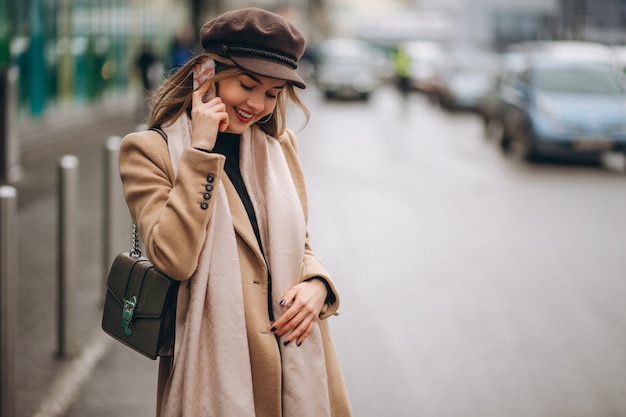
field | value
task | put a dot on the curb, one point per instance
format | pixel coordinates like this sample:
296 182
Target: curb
66 386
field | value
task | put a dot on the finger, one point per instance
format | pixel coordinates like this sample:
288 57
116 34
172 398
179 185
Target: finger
298 326
289 296
296 305
198 94
282 325
305 334
291 319
209 94
224 123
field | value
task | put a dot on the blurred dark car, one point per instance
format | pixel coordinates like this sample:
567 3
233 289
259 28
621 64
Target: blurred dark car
567 99
490 106
465 80
348 68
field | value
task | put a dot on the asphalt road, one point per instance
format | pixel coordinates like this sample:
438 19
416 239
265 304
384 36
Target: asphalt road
471 285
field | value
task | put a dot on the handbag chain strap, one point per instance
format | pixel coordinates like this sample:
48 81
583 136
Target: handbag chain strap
135 251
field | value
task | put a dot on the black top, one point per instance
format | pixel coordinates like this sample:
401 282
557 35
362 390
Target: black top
227 144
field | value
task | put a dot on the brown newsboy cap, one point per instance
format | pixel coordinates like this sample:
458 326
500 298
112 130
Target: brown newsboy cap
258 41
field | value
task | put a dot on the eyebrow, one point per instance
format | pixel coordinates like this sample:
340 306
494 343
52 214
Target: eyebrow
255 78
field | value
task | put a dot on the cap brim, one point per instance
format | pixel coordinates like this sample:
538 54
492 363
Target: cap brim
269 68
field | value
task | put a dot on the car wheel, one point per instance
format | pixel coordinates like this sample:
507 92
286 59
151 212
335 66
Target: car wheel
520 145
505 140
493 129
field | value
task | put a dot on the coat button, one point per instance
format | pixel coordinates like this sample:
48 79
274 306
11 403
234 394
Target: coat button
204 205
209 187
210 178
207 195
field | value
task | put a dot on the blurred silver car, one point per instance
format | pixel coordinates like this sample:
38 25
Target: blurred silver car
347 68
568 100
427 58
620 57
465 79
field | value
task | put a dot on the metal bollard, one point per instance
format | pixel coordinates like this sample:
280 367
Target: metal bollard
117 223
11 169
67 251
8 299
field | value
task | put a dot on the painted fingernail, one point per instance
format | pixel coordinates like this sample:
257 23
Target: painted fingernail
299 344
286 342
273 329
282 302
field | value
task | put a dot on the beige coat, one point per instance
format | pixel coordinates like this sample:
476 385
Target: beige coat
169 212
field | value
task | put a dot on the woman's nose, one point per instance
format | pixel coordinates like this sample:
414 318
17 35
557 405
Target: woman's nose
256 102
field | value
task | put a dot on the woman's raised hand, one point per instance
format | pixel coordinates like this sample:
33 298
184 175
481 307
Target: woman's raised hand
207 118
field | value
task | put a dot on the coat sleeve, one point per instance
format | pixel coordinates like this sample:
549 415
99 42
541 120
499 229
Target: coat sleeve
312 265
171 211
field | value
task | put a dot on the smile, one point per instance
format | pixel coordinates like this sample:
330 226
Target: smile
243 114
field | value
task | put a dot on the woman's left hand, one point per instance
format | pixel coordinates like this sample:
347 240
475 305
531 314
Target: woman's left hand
303 304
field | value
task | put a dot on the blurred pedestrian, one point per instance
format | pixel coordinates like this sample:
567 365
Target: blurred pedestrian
146 63
150 70
221 206
183 46
402 65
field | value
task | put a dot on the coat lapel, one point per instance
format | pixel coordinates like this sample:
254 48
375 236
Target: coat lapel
241 221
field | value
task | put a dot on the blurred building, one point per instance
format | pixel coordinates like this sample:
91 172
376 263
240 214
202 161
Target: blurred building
71 53
484 23
480 23
494 23
594 20
310 16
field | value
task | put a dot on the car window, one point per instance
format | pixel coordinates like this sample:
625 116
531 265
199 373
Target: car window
578 80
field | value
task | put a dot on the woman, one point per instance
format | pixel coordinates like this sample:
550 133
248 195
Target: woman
221 206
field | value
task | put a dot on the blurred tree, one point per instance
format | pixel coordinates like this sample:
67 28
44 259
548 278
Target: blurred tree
37 63
5 54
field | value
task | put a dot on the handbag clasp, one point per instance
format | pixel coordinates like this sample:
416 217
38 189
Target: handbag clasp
127 314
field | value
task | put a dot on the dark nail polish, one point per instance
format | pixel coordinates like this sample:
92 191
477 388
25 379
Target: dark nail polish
286 342
273 329
299 344
282 302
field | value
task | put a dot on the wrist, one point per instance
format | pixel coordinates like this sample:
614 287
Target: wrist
330 296
203 142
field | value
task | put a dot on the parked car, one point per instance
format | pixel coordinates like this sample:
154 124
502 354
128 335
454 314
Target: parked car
490 106
465 79
620 57
348 68
426 60
567 99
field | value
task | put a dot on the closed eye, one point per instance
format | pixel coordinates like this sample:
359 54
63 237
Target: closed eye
250 88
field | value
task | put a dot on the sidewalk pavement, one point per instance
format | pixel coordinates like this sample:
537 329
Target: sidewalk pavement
97 372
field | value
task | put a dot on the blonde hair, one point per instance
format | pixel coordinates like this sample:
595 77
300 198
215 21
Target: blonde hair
174 97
